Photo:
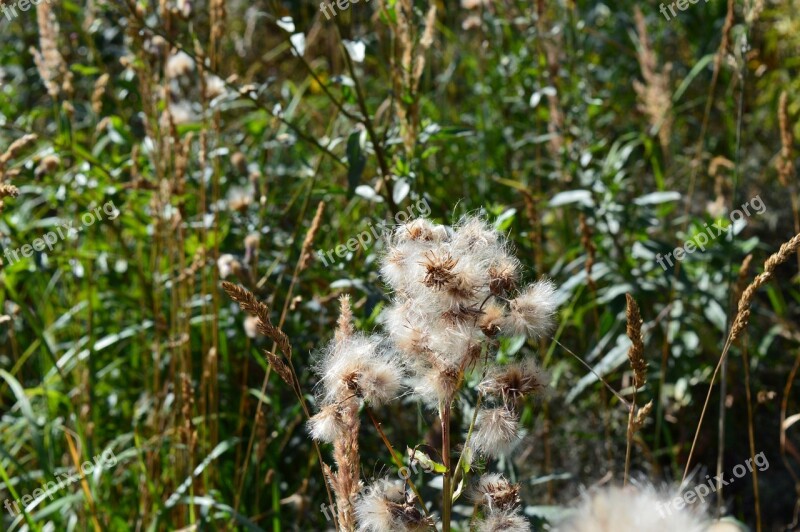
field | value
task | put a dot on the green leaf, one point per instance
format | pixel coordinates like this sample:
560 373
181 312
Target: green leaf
655 198
258 395
85 70
218 451
19 393
356 159
690 77
427 462
572 196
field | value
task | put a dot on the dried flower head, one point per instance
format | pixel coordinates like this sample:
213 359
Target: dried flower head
495 492
251 245
327 424
492 319
513 382
507 521
473 4
496 432
438 269
477 237
239 162
360 366
385 506
408 329
420 230
531 312
239 199
451 289
434 386
503 276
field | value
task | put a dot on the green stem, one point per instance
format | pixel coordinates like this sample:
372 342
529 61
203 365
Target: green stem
457 471
447 491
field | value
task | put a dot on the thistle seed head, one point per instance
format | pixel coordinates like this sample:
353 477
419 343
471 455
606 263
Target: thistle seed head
496 432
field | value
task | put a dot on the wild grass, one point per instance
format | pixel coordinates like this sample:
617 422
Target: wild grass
199 338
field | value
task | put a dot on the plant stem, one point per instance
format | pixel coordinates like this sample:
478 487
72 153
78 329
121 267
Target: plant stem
373 136
457 471
396 458
750 432
631 412
447 489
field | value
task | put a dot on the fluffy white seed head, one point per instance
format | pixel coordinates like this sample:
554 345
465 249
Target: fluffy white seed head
496 493
503 275
631 508
453 278
359 365
380 382
326 426
434 386
476 236
456 342
495 432
384 506
215 86
508 521
532 312
373 510
408 328
512 382
492 318
451 288
420 230
401 268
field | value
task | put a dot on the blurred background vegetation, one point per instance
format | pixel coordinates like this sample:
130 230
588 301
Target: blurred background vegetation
596 135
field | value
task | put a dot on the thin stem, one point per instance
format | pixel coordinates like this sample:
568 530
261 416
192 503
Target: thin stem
447 490
705 405
723 392
601 379
457 474
750 432
629 438
373 136
784 404
322 84
396 458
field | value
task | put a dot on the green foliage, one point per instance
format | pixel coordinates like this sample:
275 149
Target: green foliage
120 338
